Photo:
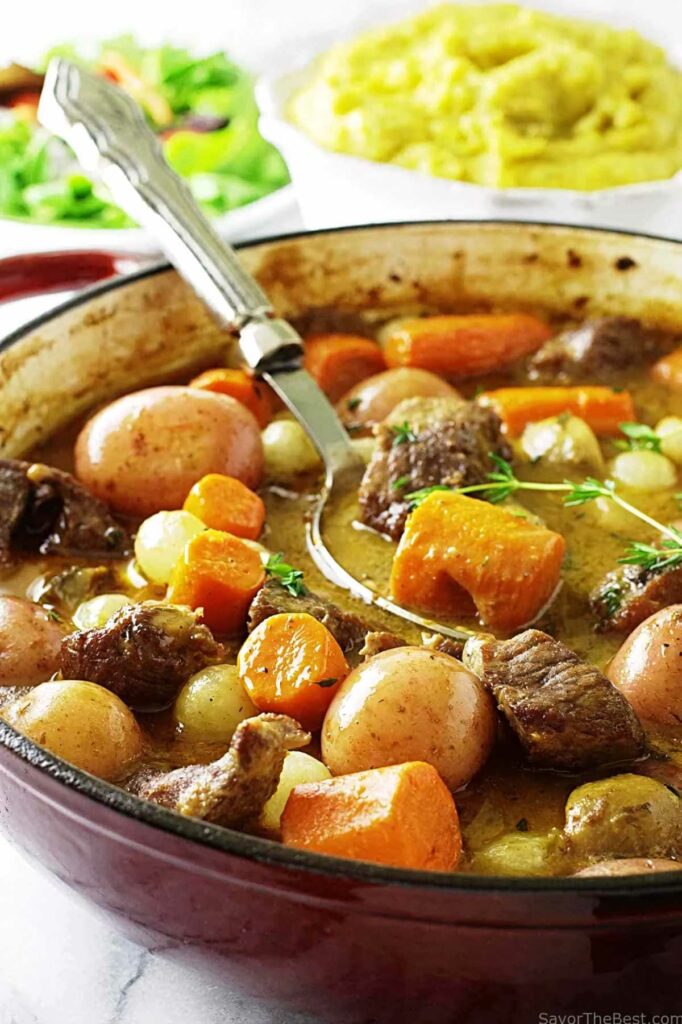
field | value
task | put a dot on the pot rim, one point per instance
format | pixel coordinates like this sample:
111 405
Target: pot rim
269 851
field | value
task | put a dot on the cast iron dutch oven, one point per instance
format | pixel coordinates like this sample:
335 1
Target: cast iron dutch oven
348 942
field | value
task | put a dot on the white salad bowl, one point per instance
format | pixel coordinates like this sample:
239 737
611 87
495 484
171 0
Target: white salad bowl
335 190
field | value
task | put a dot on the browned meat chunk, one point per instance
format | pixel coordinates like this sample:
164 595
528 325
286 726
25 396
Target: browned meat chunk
44 509
446 645
630 594
232 790
594 350
426 442
566 714
376 642
143 654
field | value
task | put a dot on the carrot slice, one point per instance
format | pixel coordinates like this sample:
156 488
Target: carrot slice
239 384
292 664
464 346
402 815
456 550
602 408
220 574
668 370
340 361
225 503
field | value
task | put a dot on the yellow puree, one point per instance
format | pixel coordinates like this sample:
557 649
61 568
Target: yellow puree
502 96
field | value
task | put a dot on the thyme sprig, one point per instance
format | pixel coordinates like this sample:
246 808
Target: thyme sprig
403 434
288 577
502 482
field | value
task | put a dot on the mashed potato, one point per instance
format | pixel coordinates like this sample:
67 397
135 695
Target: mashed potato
502 96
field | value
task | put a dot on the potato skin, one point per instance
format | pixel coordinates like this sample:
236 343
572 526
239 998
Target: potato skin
81 722
628 866
648 667
29 643
623 816
371 401
145 451
410 704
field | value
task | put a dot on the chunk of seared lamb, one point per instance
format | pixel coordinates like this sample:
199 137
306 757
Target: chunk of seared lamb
144 653
631 593
594 350
565 713
232 790
46 510
427 442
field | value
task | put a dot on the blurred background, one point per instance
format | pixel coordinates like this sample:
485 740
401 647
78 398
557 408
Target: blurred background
258 31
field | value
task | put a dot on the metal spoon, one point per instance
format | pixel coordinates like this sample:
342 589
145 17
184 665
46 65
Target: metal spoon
108 133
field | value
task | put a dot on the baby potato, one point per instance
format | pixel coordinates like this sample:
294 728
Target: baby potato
644 470
669 429
145 451
410 704
96 612
563 440
212 703
648 667
370 401
297 769
81 722
623 816
161 540
288 451
29 642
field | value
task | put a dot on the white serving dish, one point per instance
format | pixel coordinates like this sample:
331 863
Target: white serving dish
335 190
273 214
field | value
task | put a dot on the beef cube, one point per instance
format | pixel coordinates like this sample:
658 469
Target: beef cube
594 350
449 442
565 713
233 790
144 653
46 510
631 593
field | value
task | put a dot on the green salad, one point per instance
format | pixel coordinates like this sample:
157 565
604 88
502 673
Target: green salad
202 108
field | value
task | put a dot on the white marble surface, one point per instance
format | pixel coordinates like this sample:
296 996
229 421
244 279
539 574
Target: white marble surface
59 962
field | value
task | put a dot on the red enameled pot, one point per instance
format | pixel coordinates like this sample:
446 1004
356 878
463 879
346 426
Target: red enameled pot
347 942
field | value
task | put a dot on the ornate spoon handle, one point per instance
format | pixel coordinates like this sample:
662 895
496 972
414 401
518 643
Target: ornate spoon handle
108 133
